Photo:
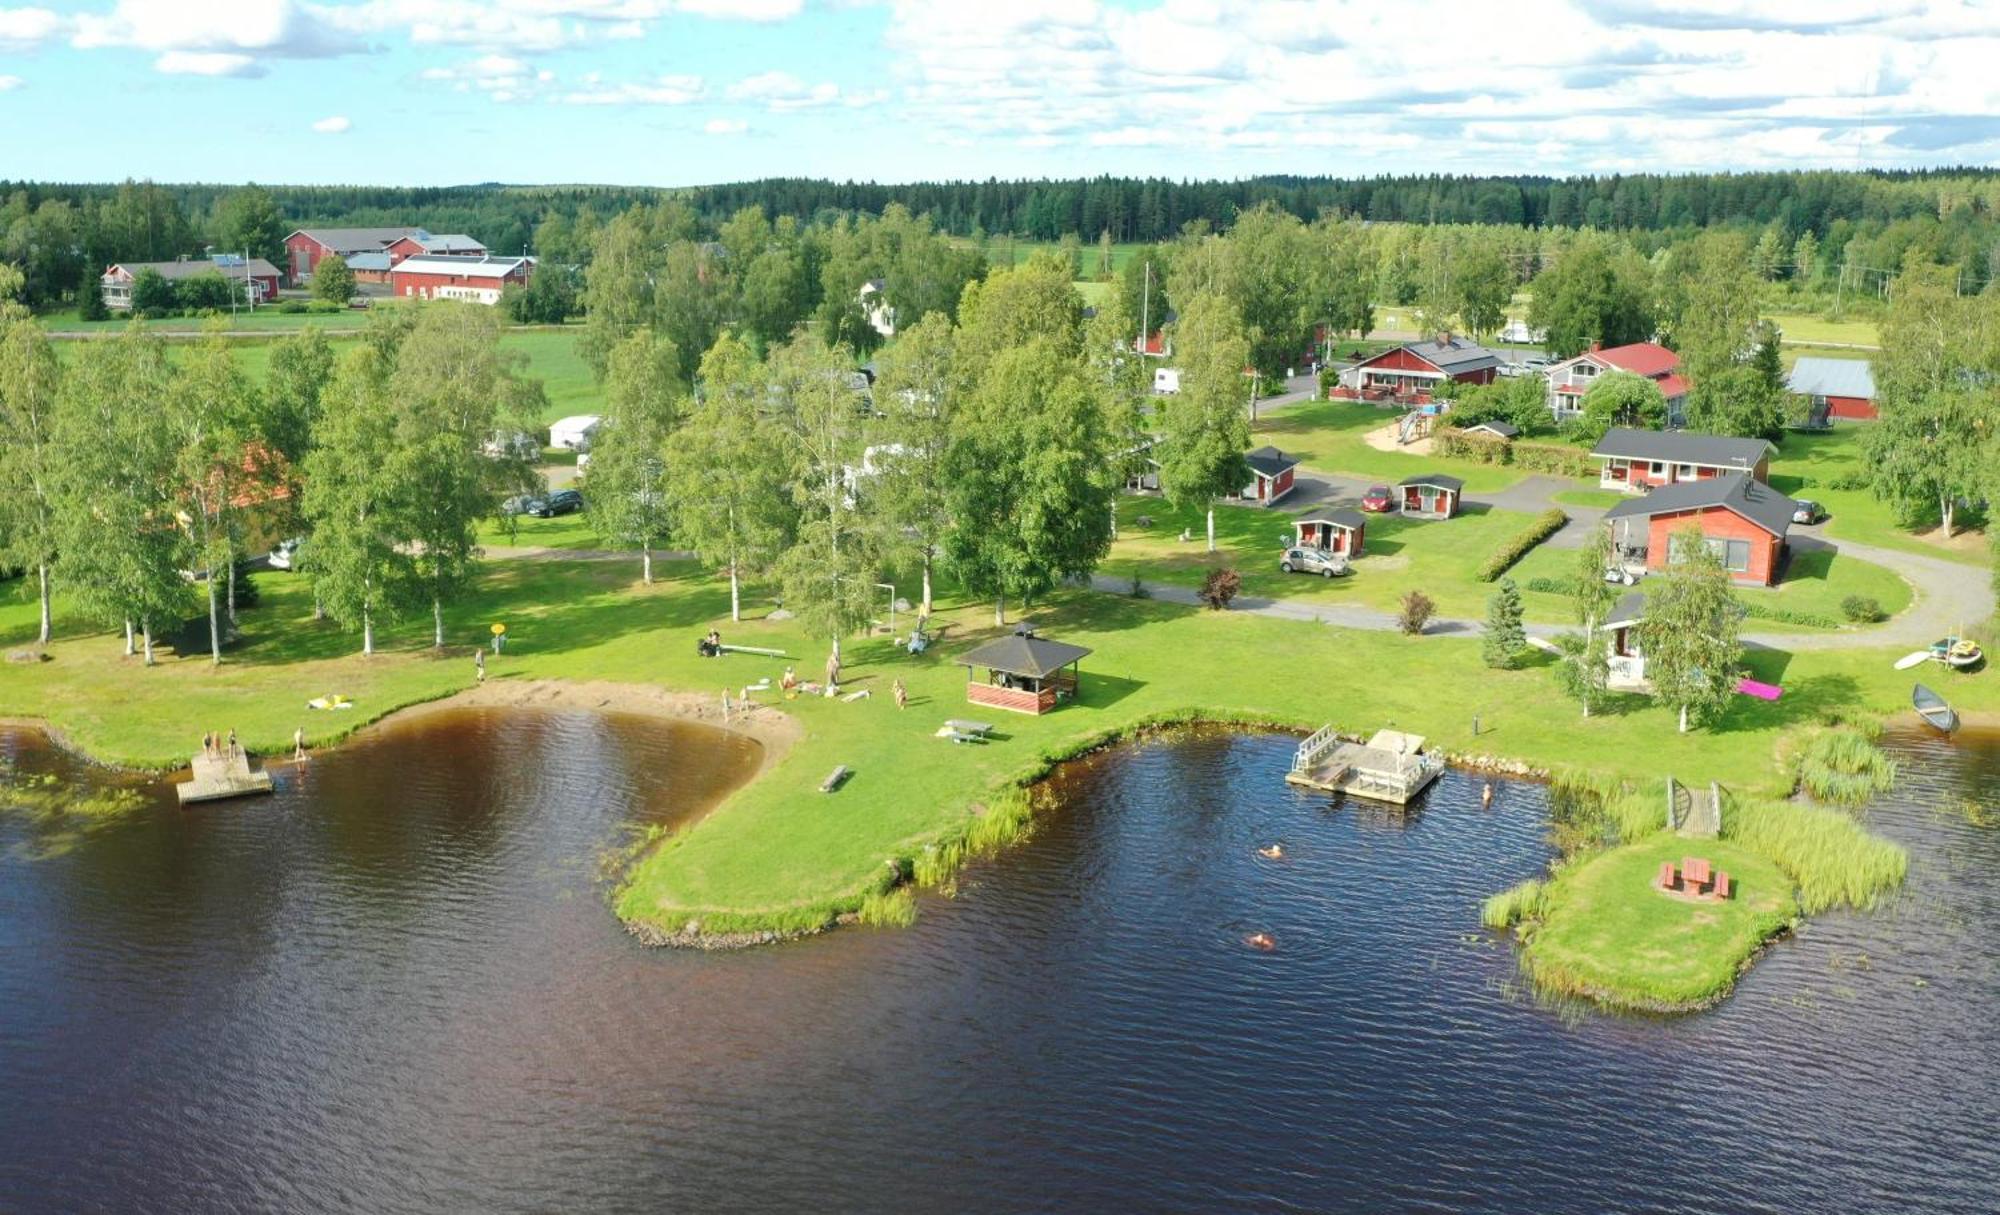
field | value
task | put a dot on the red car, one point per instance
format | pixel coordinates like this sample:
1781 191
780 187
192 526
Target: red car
1377 499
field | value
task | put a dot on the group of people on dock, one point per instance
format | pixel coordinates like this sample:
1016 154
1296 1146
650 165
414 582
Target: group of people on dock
218 746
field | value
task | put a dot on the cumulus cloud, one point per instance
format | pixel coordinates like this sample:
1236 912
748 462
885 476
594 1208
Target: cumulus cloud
208 63
24 29
1627 84
336 124
725 126
660 90
268 28
9 83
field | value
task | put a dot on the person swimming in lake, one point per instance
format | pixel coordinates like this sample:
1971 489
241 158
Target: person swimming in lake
1262 941
1272 852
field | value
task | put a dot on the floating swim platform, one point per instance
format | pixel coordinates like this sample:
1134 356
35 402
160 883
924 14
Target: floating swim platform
216 777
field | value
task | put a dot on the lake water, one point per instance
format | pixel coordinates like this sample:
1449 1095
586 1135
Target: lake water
396 986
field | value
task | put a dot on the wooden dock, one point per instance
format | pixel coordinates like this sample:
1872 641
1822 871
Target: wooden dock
225 774
1390 767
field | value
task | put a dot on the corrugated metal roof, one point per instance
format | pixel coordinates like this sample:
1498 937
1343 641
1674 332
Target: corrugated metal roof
465 267
1822 377
258 268
357 240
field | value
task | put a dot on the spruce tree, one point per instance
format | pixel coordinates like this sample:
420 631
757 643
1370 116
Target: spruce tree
1504 638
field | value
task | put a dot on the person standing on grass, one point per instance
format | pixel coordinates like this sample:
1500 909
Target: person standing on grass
832 669
902 695
479 664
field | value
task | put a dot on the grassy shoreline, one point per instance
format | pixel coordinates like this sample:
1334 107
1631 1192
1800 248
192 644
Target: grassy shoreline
777 856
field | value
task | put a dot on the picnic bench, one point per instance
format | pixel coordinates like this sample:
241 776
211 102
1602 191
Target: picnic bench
834 779
1695 877
963 726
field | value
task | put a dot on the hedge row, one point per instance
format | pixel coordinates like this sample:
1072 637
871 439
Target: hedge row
1546 524
1751 608
1556 458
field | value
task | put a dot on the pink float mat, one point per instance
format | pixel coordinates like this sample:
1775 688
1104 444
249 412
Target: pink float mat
1762 691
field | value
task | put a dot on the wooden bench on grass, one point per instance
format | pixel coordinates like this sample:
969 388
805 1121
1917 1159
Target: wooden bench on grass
1721 890
1670 878
834 779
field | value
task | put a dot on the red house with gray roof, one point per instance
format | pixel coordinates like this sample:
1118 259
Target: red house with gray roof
1408 374
1639 461
1742 519
1569 380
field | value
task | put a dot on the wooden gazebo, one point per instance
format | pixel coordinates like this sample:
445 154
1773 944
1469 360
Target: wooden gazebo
1024 673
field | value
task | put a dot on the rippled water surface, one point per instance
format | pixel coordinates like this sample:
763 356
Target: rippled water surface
395 986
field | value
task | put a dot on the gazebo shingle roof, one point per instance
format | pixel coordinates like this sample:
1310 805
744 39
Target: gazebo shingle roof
1024 654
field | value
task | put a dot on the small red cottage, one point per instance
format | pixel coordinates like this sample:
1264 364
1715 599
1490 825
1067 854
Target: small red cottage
1744 520
1337 531
1024 673
1430 496
1407 374
1271 476
1637 461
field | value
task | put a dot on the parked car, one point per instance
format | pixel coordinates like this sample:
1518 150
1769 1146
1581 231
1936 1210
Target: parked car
284 556
561 502
1805 510
1313 561
520 504
1377 499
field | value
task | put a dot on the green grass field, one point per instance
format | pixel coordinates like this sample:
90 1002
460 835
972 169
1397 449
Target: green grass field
1809 466
1327 436
780 854
1810 329
261 320
1606 934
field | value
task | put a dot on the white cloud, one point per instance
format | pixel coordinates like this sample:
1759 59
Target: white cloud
661 90
9 83
725 126
336 124
271 28
208 63
742 10
26 28
1626 84
780 90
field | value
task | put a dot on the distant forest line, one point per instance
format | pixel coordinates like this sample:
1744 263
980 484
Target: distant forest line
60 233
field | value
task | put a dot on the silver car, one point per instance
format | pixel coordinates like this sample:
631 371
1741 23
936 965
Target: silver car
1313 561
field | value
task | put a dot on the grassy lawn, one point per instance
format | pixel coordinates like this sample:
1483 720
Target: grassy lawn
1808 328
1399 554
563 531
263 320
778 853
1606 934
1808 465
1326 435
1817 580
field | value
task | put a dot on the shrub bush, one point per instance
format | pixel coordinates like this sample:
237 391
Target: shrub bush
1861 609
1220 587
1482 449
1848 481
1546 524
1556 458
1416 612
1764 611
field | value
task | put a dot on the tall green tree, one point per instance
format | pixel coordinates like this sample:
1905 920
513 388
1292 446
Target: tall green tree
359 568
248 222
1618 398
1710 311
209 414
1504 638
644 396
30 457
1690 632
447 388
1206 426
1031 501
917 393
829 573
1926 452
289 416
118 500
1592 293
1738 401
1586 670
618 287
730 469
1482 287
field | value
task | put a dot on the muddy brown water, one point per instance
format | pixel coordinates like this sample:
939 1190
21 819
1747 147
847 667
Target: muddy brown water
396 986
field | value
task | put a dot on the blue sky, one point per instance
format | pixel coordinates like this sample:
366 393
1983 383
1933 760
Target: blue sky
673 92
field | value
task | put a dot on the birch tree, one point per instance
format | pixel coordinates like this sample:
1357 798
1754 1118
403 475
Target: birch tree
729 471
1690 632
828 574
918 397
1206 424
351 493
644 395
207 416
30 380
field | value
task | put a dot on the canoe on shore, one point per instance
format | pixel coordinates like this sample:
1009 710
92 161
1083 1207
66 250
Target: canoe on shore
1932 708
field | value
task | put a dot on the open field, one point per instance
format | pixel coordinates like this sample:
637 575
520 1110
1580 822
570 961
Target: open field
779 854
1810 465
1327 435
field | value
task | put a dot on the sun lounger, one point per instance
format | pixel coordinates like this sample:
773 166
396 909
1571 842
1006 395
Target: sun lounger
851 697
834 779
963 726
